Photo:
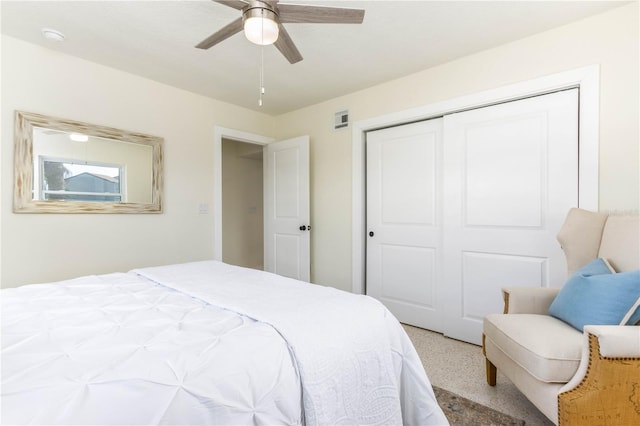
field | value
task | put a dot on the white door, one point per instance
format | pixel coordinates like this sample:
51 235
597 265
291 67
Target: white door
455 221
511 176
404 220
286 208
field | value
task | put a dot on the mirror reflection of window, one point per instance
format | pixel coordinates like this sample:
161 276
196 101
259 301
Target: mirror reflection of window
66 180
76 167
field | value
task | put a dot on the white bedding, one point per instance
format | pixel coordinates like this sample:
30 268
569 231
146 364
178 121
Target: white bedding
206 343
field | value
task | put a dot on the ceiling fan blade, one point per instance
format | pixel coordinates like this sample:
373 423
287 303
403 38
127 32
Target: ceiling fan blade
236 4
226 32
293 13
286 46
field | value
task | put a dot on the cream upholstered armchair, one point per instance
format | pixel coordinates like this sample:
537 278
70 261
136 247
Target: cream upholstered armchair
576 376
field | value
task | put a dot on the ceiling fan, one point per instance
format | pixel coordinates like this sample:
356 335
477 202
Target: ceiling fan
262 23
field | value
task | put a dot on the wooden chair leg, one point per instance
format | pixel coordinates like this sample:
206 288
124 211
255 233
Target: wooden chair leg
491 373
491 369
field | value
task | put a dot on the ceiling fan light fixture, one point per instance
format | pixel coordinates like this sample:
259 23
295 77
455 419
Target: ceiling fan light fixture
261 26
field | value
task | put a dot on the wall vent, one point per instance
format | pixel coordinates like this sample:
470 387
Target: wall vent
341 120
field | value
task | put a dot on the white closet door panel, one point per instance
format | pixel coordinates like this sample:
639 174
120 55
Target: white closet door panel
490 198
402 166
407 274
403 213
484 272
511 175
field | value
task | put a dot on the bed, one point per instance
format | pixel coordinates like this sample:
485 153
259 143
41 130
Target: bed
206 343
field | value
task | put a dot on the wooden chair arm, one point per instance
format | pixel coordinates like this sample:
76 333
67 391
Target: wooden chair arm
606 387
528 300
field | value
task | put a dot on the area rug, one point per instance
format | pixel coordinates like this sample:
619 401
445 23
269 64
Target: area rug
463 412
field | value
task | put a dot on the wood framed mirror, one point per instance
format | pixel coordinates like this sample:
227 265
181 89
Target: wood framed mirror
66 166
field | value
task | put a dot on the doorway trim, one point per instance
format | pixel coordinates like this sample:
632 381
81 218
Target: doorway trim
586 79
220 133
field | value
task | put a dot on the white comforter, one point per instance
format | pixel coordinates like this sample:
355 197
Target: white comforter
206 343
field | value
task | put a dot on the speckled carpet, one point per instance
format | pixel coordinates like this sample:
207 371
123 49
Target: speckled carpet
463 412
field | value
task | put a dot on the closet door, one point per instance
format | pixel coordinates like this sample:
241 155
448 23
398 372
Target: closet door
404 221
511 175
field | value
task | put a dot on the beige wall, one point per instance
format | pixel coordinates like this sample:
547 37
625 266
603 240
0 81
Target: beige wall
39 247
242 204
47 247
609 39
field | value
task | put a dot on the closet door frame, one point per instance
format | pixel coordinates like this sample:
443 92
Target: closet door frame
585 78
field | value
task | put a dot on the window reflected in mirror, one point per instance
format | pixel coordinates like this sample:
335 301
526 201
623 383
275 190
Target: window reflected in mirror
69 180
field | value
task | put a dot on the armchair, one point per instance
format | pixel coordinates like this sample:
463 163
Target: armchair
589 377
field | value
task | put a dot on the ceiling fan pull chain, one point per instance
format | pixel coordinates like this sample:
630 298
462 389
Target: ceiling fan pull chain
261 62
261 75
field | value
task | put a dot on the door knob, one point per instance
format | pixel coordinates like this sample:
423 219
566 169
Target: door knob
303 228
371 233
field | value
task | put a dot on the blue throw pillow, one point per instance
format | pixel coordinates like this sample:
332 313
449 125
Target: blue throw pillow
597 266
595 296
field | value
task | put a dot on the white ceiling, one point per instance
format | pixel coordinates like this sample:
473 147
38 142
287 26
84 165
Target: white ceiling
156 39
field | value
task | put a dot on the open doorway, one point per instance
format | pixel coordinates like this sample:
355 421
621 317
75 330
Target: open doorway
242 204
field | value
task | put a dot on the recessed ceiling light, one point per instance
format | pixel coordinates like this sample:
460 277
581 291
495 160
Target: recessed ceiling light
54 35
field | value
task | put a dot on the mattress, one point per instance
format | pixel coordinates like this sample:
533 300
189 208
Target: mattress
206 343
